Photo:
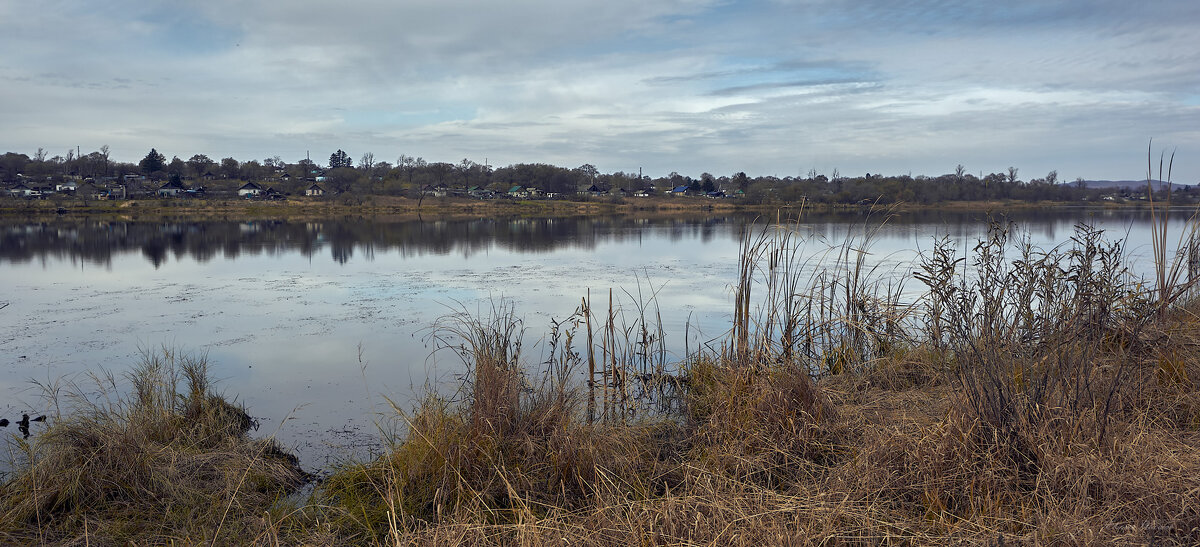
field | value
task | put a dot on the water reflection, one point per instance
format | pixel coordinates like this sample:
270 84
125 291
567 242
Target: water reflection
97 242
343 239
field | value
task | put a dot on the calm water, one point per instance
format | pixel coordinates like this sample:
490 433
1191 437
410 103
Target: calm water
313 324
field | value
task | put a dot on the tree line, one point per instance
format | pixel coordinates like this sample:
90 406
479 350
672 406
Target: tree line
410 176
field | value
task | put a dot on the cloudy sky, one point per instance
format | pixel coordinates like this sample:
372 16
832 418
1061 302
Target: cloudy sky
767 87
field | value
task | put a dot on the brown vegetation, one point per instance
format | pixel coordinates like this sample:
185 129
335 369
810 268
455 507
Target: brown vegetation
1031 397
303 207
297 208
1070 417
170 461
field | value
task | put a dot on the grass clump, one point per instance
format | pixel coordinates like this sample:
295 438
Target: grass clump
512 456
166 461
768 426
510 447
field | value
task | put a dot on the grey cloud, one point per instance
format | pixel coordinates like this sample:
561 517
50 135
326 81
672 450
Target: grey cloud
738 90
968 16
788 66
871 85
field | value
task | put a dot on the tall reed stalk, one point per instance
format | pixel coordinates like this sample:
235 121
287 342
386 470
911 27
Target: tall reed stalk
1169 267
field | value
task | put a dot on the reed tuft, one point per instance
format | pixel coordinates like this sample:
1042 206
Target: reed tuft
170 461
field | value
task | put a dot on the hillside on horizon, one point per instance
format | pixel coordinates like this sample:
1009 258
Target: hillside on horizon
1159 185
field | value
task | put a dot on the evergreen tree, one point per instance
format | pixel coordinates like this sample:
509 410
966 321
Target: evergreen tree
153 162
340 159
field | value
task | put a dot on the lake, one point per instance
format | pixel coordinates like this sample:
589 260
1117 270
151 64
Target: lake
315 325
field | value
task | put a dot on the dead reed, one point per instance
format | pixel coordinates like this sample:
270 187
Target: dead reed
510 446
999 407
1031 396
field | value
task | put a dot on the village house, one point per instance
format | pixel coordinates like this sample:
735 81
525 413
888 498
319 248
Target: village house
480 193
119 191
89 190
21 190
439 191
171 189
314 191
249 190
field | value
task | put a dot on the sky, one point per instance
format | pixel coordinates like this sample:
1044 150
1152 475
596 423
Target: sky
775 87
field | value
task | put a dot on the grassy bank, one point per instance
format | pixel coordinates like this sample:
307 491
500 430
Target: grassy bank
301 208
304 208
1040 396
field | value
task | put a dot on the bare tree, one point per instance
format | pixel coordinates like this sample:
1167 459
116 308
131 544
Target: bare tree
465 166
587 172
405 163
1012 175
104 153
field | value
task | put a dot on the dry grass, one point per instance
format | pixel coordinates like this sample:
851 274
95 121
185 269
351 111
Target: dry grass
169 462
1040 399
769 444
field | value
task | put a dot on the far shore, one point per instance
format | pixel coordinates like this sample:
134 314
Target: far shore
390 206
